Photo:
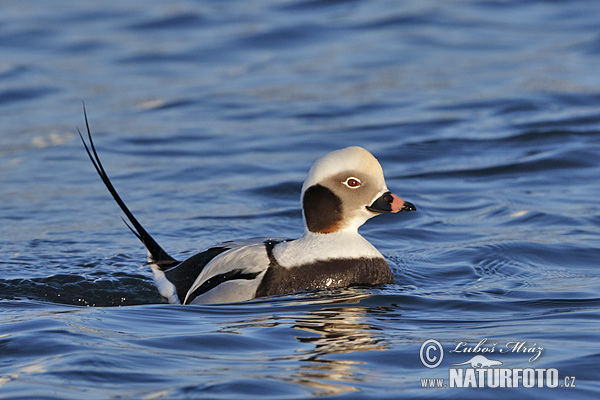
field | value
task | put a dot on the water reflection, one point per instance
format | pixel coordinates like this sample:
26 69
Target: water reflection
338 330
324 332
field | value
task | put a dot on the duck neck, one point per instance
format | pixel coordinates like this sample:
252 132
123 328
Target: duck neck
312 246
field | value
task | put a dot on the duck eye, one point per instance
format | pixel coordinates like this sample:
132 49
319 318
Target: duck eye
352 182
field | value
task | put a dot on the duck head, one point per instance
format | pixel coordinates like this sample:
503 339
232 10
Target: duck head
344 189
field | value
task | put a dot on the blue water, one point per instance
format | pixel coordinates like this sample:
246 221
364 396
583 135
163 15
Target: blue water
208 115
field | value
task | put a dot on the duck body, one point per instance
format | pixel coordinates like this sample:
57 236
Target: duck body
259 267
343 190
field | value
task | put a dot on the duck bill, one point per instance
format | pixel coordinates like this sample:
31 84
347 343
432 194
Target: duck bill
389 202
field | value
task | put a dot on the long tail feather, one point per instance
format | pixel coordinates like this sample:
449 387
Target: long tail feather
156 253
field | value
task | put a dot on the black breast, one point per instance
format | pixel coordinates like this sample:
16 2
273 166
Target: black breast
330 273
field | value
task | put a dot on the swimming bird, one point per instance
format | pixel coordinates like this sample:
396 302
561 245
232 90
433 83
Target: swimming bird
343 190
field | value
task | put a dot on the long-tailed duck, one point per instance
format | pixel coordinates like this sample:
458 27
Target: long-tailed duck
343 190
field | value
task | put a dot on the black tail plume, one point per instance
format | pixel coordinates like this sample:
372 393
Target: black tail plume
157 254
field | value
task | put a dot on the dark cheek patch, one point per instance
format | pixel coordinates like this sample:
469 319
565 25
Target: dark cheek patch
322 209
